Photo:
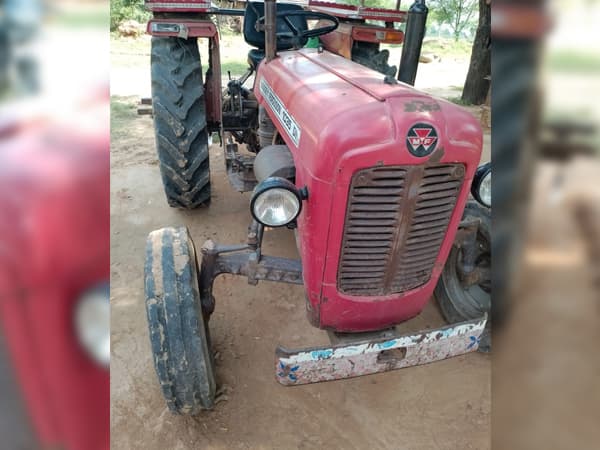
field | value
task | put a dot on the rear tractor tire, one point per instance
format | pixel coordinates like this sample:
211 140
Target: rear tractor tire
178 329
180 121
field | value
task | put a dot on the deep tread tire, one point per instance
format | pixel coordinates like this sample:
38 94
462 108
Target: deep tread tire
177 328
180 121
456 304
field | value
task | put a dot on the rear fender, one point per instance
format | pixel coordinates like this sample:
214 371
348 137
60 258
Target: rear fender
181 28
186 29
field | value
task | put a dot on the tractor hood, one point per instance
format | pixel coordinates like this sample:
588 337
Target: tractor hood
329 106
339 118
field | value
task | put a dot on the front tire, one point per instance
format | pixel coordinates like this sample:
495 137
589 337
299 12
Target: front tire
457 301
180 121
177 327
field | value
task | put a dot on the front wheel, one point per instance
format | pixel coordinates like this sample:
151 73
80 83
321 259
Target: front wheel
461 299
177 327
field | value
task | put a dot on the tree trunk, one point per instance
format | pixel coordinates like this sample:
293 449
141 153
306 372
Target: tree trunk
476 85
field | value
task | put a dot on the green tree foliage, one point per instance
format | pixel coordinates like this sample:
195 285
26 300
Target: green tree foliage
121 10
458 14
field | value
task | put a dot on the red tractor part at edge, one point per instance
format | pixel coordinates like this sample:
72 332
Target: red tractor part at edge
54 271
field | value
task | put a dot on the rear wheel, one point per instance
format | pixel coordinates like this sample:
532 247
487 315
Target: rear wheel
177 327
460 300
180 121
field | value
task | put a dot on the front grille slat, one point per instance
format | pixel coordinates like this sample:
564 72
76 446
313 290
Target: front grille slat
427 232
353 270
423 219
415 266
424 253
380 191
368 200
435 202
360 264
396 221
439 187
416 257
358 250
357 243
363 258
373 208
360 282
371 222
370 229
415 242
420 212
421 225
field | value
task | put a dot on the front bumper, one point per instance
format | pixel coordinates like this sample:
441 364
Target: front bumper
358 355
364 357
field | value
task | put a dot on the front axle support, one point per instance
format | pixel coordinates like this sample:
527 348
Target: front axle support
246 260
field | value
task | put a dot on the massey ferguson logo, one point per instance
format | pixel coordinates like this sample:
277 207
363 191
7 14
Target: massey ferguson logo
421 139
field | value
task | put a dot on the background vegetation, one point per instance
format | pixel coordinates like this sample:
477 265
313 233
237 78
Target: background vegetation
121 10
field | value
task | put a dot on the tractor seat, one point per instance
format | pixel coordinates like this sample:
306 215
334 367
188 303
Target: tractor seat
255 56
256 10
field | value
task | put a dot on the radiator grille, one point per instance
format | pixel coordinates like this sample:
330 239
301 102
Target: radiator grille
396 220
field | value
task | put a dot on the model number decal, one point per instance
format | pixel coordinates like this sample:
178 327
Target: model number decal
286 119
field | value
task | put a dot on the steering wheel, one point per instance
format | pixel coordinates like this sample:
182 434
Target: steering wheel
295 33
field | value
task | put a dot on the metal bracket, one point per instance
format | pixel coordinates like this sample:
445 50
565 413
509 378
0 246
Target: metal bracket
245 260
466 240
240 168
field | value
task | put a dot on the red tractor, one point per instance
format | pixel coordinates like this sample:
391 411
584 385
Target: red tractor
54 270
370 174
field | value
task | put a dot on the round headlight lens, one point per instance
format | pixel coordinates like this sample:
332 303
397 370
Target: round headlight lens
92 323
276 207
485 189
481 188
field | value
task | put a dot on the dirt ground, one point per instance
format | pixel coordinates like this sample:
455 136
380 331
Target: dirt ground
550 376
445 405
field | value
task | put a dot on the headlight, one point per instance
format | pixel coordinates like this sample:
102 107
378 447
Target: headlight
275 202
482 185
92 323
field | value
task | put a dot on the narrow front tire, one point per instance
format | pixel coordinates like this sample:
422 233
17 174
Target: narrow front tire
177 327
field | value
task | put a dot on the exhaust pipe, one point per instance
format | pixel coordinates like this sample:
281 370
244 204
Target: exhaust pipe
270 30
413 41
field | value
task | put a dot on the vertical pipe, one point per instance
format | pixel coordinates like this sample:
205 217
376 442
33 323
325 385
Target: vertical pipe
413 41
270 30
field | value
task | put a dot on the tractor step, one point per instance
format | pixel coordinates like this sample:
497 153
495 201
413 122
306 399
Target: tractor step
367 356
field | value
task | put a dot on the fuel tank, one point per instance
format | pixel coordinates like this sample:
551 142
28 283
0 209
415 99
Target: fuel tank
380 160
